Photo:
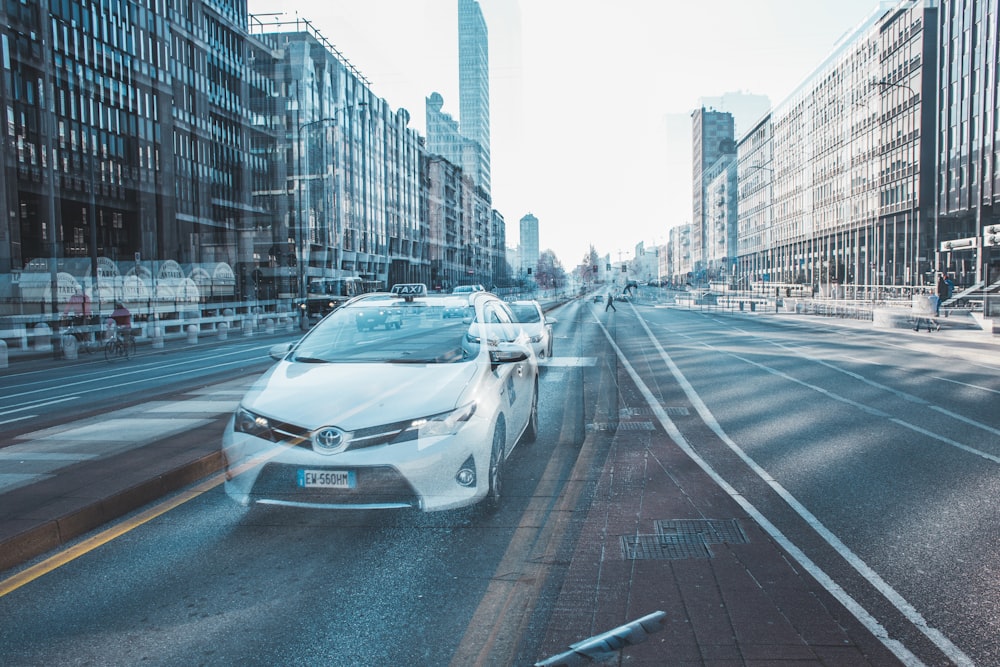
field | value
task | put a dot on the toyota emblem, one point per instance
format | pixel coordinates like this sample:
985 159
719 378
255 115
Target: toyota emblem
329 440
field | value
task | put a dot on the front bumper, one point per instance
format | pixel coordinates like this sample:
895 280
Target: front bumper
419 474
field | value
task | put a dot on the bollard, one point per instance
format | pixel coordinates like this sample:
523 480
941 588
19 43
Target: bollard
69 346
269 326
223 330
192 333
43 338
753 306
3 354
248 324
157 337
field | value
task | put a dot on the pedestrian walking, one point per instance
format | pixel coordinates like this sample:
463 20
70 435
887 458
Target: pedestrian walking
943 292
611 303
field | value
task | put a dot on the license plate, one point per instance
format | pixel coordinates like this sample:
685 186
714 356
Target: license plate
327 479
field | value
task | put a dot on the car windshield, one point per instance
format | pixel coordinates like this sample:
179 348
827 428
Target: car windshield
386 329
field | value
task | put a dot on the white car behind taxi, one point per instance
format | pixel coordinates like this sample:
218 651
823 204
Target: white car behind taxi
532 319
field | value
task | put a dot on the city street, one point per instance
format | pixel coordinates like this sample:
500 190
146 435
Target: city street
863 460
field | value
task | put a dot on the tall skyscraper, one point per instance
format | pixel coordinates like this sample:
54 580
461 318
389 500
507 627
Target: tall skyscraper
713 138
529 243
474 86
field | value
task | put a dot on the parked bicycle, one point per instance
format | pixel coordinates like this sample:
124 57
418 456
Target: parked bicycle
85 340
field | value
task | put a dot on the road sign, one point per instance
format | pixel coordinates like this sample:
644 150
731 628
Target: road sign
970 243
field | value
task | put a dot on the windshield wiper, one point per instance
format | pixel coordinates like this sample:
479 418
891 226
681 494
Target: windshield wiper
310 360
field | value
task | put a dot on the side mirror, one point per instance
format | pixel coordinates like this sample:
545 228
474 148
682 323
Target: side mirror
279 351
508 353
550 320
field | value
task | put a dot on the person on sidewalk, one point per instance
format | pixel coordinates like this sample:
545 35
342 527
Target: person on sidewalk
943 292
611 303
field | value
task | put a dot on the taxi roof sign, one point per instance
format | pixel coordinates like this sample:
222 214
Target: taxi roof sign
409 289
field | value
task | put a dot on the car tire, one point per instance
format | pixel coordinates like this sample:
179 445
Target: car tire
495 492
531 429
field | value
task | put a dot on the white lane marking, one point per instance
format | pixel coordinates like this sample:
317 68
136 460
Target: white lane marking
139 381
17 419
965 384
104 377
864 616
35 404
870 410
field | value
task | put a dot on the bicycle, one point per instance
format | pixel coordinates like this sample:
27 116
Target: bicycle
121 345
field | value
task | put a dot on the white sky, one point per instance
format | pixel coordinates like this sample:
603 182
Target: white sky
581 90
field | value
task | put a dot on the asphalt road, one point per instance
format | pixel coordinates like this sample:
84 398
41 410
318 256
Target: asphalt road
874 460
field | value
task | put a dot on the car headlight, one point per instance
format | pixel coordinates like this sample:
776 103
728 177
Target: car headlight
444 423
537 338
252 424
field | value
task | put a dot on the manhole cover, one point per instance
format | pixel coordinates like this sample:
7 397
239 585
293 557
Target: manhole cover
713 531
655 547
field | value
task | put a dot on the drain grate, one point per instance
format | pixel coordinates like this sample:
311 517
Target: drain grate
625 413
622 426
712 531
655 547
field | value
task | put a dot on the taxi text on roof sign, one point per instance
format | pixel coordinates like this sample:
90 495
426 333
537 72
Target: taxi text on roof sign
410 289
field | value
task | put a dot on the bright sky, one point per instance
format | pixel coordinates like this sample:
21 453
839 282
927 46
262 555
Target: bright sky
581 92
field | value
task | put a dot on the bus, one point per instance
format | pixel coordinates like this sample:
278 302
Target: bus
324 295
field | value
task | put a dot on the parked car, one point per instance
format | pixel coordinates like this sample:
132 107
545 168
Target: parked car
420 415
538 327
467 289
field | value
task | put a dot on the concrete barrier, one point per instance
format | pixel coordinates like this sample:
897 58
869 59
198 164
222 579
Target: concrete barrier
157 337
70 347
42 340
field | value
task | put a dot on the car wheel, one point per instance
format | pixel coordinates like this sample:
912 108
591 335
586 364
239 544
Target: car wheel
492 501
531 430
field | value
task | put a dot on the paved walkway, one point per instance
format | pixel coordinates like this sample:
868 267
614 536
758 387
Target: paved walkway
733 598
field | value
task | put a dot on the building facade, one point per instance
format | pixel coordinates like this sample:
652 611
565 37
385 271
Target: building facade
832 189
474 91
529 250
168 154
969 141
712 138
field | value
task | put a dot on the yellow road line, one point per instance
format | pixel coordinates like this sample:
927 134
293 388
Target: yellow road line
20 579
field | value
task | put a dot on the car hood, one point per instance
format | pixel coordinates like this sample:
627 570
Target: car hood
353 396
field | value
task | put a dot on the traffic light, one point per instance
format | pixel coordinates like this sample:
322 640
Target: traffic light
624 268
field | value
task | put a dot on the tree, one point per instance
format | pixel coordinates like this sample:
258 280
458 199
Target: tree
549 272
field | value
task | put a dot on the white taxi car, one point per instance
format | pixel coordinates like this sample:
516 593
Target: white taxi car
532 319
420 414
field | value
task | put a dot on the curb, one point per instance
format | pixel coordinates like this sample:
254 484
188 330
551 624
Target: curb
57 532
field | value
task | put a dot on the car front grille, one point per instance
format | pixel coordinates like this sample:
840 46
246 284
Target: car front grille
376 485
